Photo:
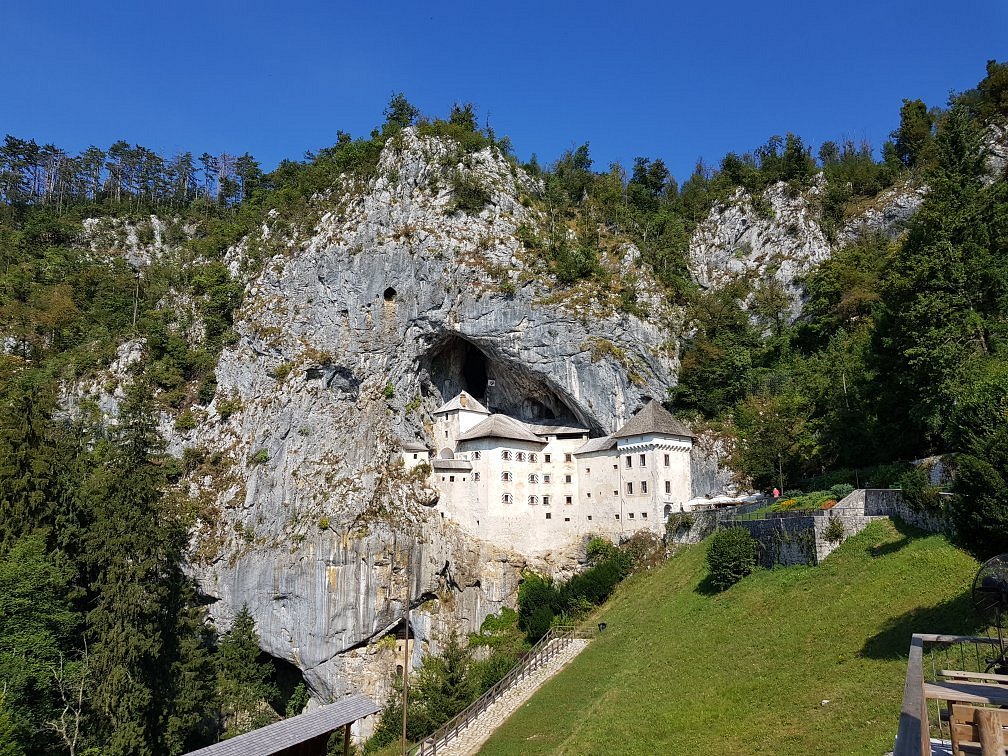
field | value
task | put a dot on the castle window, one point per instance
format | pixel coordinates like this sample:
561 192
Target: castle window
545 501
668 486
568 500
415 455
630 515
533 500
548 515
567 457
589 518
505 498
617 517
589 494
567 478
629 488
587 471
643 515
506 476
532 457
643 486
615 467
533 478
643 460
476 477
546 458
506 454
547 477
451 478
476 455
629 461
521 456
566 519
615 492
666 460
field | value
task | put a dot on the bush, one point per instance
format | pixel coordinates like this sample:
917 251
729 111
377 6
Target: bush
731 556
261 457
834 531
185 422
841 490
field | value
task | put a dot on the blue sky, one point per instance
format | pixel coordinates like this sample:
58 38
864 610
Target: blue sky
662 79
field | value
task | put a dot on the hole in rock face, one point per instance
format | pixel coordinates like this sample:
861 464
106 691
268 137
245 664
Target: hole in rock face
389 295
455 364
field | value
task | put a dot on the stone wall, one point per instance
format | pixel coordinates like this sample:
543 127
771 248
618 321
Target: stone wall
889 502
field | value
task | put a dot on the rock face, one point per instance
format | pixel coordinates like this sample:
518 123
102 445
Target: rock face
348 340
779 237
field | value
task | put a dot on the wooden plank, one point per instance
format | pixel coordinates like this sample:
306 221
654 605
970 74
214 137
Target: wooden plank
967 692
912 737
991 732
955 674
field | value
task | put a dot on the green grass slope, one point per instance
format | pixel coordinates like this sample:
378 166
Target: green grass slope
679 670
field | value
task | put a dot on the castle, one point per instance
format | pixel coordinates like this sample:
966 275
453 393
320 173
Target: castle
534 486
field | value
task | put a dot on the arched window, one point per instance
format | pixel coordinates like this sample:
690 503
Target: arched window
506 476
533 500
533 457
476 455
505 498
668 510
476 477
533 478
521 456
506 454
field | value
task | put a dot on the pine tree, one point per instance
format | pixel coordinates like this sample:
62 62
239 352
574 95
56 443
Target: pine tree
243 682
133 556
27 460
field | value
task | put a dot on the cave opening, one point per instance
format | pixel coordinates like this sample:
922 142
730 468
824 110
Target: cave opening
389 294
453 364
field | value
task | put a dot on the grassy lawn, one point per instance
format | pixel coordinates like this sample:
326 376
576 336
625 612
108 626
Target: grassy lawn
681 671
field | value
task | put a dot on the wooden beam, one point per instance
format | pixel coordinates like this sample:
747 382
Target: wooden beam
346 739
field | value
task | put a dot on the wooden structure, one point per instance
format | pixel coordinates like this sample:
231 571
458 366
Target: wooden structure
967 702
303 735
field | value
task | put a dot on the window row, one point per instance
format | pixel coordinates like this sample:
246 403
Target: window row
507 454
534 500
507 476
643 460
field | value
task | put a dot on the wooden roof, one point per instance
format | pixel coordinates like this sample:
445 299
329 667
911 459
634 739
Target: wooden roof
295 730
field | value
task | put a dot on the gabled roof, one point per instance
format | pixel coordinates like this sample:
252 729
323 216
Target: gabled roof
653 420
291 732
462 402
596 445
501 426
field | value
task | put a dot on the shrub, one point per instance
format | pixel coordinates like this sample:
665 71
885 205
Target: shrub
841 490
834 531
281 371
731 556
323 523
228 406
261 457
185 422
389 391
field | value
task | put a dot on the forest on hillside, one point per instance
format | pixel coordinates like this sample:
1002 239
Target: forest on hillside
901 351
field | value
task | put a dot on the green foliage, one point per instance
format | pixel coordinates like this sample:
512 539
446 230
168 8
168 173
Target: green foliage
731 555
185 422
468 195
228 405
243 681
834 531
37 625
297 701
261 457
389 391
914 140
281 371
918 492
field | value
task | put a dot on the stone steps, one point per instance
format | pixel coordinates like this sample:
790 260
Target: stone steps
472 738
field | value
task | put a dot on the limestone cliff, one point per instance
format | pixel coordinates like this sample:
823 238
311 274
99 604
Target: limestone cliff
348 340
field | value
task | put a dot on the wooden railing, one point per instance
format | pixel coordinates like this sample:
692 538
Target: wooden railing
549 646
913 737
